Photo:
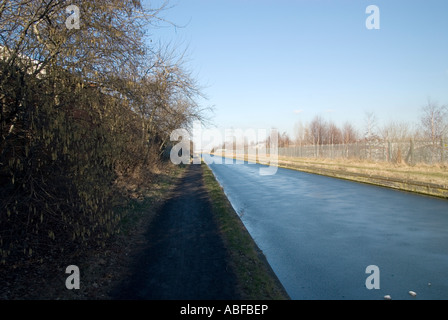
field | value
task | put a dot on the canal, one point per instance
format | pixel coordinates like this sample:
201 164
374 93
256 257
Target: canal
319 234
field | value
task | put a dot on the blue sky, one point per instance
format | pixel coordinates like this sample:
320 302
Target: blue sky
268 63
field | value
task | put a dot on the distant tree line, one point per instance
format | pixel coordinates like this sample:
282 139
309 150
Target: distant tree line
433 127
82 111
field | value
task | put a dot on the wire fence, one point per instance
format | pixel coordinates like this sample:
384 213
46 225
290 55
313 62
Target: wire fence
410 152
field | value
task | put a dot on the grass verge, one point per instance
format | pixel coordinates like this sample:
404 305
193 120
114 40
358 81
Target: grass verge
256 279
146 206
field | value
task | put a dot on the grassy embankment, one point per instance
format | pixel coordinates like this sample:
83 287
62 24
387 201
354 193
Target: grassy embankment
256 279
419 178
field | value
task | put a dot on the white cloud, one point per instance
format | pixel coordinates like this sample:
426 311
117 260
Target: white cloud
298 111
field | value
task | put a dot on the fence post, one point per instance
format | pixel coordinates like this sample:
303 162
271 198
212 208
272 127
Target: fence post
367 150
441 150
389 156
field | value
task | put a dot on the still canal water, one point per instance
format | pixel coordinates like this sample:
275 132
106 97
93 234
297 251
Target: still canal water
319 234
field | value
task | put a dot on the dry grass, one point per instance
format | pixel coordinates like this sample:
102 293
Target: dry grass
419 173
435 174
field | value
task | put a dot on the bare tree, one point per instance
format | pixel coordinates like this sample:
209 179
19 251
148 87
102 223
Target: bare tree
434 121
396 131
284 140
318 130
75 107
349 133
370 122
318 133
334 134
299 133
371 137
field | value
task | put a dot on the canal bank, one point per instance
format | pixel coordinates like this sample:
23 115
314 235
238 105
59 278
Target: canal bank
425 180
256 279
196 248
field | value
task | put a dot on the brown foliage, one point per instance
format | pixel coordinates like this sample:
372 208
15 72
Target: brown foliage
79 120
